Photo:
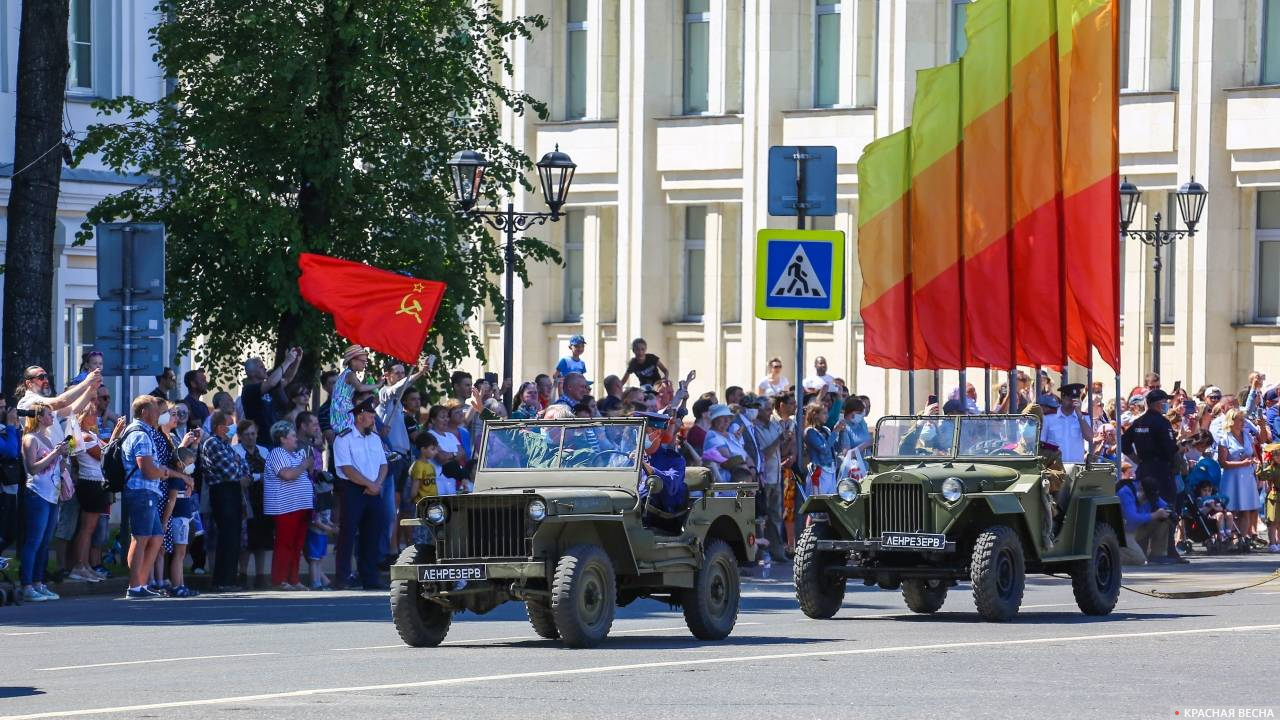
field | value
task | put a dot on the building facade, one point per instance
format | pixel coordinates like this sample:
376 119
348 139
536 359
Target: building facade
669 109
111 55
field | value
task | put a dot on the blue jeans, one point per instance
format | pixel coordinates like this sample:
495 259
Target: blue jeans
41 516
394 480
362 515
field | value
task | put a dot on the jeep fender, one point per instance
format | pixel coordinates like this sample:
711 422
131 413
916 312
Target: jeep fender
608 534
1104 509
726 529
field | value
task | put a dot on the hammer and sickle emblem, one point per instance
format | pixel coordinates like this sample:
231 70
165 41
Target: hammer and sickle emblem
408 308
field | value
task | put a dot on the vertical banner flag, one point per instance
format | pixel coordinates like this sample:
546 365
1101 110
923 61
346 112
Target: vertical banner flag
386 311
1090 169
986 210
1011 206
935 214
888 313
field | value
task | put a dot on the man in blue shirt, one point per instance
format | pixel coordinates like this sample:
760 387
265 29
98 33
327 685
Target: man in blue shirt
1146 526
12 477
573 363
142 498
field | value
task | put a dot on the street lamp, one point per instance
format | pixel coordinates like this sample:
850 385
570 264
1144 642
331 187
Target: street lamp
1191 199
555 174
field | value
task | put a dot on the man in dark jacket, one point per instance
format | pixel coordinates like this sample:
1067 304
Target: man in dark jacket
1151 441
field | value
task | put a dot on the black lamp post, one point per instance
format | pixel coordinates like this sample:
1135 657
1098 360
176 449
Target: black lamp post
1191 199
555 174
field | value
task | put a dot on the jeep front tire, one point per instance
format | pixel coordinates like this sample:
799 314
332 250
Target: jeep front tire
419 622
1096 581
820 595
924 596
583 596
540 617
711 605
998 573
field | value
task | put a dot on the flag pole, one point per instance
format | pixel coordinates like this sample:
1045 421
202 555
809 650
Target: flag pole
961 308
1056 73
1014 405
909 297
1115 220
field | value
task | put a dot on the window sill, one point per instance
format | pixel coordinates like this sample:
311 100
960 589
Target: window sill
1269 88
83 98
579 122
832 110
694 117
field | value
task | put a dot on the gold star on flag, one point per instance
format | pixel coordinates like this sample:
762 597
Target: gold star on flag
419 287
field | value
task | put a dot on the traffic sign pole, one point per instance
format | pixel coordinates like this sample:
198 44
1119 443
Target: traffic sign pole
799 156
126 314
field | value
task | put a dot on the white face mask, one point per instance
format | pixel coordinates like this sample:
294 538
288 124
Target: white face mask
164 419
189 469
857 417
751 414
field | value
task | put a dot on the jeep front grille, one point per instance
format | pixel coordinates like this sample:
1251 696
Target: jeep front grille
898 508
485 527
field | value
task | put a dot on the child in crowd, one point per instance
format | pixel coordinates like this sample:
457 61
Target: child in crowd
179 509
1213 505
425 481
317 543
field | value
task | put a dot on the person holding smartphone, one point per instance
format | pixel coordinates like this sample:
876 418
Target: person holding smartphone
44 461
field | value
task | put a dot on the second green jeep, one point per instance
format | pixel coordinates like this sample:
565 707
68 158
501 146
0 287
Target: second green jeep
559 520
963 498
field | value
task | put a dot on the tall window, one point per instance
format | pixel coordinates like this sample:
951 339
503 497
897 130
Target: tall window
1169 262
1175 45
576 61
826 53
959 13
1268 258
1271 42
695 261
574 221
1123 32
77 321
697 55
80 41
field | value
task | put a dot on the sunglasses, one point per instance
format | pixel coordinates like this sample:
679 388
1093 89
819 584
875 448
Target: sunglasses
776 367
41 376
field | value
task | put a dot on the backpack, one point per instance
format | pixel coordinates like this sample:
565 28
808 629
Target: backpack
113 462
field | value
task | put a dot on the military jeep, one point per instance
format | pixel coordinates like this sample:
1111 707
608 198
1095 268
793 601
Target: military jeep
962 498
561 520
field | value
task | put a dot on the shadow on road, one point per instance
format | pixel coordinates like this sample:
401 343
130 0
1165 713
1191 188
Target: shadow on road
652 642
18 691
1026 618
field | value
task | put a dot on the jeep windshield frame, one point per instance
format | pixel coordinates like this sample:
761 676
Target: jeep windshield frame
957 437
559 453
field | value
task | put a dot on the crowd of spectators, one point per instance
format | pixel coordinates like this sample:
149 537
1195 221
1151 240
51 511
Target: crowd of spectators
212 488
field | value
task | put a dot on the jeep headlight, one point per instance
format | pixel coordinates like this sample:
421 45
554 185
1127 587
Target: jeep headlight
848 489
952 489
537 510
436 514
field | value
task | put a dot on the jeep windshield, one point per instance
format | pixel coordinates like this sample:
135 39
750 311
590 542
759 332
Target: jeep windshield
562 445
957 436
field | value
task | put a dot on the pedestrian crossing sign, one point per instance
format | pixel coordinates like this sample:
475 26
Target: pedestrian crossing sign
800 275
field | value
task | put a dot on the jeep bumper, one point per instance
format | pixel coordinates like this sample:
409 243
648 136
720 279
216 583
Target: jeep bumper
503 570
871 546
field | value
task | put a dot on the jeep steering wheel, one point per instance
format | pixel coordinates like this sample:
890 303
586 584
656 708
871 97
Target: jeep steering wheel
604 453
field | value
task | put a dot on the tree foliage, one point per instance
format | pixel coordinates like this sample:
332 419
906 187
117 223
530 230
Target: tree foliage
317 126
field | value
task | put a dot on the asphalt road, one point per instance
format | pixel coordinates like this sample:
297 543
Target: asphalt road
333 655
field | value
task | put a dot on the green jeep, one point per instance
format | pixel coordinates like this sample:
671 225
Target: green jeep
951 498
561 520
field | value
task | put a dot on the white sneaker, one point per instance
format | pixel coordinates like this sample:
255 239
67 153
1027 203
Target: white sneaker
31 594
49 594
1273 548
84 575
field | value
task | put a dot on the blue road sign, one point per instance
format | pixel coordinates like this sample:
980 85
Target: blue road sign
799 274
819 179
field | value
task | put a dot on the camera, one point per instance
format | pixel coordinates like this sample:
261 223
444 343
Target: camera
26 413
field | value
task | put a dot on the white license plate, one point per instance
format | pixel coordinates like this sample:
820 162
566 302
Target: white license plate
912 541
451 573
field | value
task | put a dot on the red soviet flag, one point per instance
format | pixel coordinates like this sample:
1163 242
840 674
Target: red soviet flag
386 311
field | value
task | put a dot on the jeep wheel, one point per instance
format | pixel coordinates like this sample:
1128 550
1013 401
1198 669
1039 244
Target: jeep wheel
711 606
924 596
583 596
419 621
820 594
540 617
1096 581
998 574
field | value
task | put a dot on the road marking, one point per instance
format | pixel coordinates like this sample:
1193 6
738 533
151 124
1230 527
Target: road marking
19 634
525 637
600 669
158 660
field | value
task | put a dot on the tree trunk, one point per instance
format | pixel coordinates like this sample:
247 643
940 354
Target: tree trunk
43 64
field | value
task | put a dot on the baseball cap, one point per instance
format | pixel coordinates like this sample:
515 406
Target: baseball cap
1157 395
1048 400
577 340
719 410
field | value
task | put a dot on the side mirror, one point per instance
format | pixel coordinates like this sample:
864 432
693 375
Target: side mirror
654 484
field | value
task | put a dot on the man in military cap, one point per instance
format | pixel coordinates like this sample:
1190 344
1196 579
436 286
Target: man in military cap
1067 427
1151 441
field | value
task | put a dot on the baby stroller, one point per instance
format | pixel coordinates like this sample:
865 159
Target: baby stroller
1202 529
